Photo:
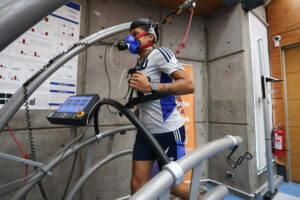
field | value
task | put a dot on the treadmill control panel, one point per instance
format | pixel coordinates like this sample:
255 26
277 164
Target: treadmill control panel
74 110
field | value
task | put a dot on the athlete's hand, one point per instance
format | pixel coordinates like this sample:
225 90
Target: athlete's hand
140 82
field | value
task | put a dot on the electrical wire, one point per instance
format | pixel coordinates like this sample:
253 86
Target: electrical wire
30 137
27 82
27 116
182 44
59 152
115 68
27 112
120 83
70 176
109 83
15 139
25 156
110 57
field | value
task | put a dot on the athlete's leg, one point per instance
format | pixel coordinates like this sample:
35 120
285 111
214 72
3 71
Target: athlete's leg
140 174
182 190
178 150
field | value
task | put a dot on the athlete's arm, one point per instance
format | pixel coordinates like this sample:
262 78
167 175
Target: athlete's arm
136 112
182 83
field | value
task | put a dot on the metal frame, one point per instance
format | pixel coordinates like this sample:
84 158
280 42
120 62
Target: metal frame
162 182
266 121
218 192
16 9
17 100
93 169
64 155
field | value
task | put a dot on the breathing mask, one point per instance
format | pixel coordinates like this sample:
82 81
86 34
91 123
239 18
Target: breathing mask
132 43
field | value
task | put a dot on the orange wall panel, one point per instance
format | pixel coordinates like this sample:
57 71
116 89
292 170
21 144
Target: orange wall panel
277 109
284 19
283 16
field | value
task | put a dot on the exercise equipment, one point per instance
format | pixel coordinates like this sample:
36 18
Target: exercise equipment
75 111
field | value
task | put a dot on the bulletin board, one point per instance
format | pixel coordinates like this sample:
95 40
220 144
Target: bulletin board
32 50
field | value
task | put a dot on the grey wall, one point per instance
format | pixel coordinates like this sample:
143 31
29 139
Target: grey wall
96 80
218 48
113 180
230 95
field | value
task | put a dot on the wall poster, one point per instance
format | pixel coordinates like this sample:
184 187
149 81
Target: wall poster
32 50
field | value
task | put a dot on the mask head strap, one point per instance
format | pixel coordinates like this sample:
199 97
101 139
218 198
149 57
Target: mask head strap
146 46
141 35
151 30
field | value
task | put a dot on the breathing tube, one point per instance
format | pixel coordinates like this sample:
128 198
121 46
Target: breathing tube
132 44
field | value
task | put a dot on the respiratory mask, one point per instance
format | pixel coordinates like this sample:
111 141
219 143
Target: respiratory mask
133 44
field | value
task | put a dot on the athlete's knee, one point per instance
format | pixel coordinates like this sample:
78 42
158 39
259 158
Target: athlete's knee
136 183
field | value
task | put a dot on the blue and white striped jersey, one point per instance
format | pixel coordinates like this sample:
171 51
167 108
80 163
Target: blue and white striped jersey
161 115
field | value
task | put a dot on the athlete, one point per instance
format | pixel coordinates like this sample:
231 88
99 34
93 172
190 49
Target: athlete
160 72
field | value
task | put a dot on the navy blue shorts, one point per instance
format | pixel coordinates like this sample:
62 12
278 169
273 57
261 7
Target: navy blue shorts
172 143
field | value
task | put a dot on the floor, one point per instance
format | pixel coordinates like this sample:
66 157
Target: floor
287 191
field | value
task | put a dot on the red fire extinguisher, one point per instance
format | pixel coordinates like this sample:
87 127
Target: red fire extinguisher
278 142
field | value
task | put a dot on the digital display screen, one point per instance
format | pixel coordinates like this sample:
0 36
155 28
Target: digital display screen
75 104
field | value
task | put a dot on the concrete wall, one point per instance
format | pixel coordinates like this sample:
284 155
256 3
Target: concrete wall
218 48
113 180
230 95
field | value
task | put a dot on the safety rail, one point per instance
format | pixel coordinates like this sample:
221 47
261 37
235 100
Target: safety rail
218 192
64 155
17 99
159 186
87 174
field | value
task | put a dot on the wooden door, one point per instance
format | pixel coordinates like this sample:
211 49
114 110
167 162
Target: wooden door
292 65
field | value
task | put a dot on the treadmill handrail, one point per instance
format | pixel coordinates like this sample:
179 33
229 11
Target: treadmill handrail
63 156
17 100
93 169
159 184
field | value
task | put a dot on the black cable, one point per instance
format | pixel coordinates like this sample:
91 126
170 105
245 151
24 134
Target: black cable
31 142
64 151
70 175
234 164
150 139
27 113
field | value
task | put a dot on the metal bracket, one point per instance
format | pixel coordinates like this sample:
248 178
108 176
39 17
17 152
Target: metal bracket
233 138
25 161
176 171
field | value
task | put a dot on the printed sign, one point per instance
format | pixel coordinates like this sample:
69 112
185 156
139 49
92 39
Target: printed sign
185 106
278 142
32 50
